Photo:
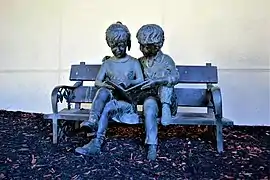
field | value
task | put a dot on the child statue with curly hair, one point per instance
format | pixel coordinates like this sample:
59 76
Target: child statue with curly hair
121 70
158 68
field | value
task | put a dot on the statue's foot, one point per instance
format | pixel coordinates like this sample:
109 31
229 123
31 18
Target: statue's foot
166 117
92 148
152 152
88 126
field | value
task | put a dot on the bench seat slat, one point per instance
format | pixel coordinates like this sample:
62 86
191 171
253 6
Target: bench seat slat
188 97
182 118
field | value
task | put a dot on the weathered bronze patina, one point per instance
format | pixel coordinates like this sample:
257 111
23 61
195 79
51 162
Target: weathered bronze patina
124 81
118 79
161 74
122 69
159 69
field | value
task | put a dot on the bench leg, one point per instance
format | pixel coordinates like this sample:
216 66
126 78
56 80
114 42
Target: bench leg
219 135
55 129
77 125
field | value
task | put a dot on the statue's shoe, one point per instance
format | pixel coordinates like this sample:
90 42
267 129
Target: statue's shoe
165 122
92 148
89 126
152 152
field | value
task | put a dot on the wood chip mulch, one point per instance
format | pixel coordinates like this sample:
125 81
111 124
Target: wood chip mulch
184 152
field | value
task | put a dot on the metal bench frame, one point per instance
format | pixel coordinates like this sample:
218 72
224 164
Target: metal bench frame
209 97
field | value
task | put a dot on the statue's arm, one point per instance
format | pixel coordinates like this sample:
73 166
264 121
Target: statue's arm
169 79
139 73
99 82
173 77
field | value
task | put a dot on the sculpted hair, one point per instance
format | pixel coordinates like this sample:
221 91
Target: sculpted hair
116 33
151 34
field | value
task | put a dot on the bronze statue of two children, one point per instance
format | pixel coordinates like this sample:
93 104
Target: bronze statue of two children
125 81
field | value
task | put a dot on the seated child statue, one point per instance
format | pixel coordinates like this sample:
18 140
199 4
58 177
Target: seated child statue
159 69
121 68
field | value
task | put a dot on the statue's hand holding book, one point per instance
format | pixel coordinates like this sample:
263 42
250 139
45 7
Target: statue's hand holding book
126 93
121 86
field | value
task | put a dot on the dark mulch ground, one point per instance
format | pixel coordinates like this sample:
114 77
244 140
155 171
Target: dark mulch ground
27 152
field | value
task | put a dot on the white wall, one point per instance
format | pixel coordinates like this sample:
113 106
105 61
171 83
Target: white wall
39 40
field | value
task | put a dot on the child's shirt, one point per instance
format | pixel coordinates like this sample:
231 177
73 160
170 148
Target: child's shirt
159 66
120 70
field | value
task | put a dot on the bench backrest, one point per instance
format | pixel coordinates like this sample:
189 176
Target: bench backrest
188 74
193 97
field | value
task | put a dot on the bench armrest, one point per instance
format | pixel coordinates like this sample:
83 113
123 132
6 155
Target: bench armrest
216 100
63 92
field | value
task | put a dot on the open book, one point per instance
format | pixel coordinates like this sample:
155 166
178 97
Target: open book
126 93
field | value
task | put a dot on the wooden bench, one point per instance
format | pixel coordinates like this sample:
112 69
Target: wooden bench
209 97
